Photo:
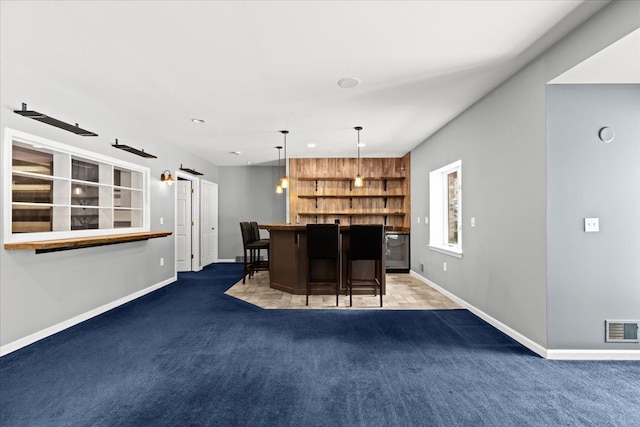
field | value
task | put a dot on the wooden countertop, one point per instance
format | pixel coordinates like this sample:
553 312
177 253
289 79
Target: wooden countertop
84 242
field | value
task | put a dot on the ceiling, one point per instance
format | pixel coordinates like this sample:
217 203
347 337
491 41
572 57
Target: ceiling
617 63
250 69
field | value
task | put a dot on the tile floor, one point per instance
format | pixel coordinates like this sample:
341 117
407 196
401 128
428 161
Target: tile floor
404 292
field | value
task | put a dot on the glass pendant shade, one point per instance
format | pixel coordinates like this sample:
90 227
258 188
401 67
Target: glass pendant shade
358 181
279 187
284 181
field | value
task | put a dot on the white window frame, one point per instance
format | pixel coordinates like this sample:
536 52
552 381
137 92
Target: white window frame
438 202
12 135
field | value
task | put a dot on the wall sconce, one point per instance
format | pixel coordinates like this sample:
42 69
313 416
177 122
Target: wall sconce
166 177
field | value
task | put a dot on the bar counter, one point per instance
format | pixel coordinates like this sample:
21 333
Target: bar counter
288 260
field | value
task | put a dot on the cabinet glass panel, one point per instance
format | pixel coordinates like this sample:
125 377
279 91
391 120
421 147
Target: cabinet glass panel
127 178
31 219
121 198
85 194
84 171
84 218
27 160
31 190
122 218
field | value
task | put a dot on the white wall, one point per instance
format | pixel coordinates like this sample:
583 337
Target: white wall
501 142
40 291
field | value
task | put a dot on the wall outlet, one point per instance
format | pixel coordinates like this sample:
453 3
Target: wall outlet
591 225
161 262
161 220
444 266
426 220
418 220
473 221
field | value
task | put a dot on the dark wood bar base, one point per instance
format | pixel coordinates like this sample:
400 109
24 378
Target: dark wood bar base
288 261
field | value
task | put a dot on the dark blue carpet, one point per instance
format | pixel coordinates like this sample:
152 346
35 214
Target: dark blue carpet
189 355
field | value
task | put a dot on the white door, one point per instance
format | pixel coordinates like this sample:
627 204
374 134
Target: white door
183 226
208 222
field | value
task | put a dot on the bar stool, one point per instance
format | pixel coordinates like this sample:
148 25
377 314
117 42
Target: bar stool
323 243
251 247
365 244
264 244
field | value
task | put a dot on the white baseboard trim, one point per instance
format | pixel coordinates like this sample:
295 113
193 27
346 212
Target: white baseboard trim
593 354
37 336
552 354
227 260
531 345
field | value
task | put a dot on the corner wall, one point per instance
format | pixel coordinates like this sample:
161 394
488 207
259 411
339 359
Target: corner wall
501 141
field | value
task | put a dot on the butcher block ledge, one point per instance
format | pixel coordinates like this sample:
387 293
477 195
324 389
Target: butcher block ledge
43 246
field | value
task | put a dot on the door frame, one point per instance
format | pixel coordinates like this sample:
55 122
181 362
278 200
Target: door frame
195 217
216 256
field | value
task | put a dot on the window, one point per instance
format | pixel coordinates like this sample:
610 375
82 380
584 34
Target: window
58 191
445 209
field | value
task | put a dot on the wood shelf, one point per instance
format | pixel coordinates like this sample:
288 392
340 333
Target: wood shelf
322 191
366 178
342 213
355 196
43 246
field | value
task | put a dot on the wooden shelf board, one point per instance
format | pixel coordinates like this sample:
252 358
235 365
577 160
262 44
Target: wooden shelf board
380 178
355 196
84 242
353 213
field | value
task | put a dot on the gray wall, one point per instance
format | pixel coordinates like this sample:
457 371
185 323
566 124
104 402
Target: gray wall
501 141
39 291
592 276
246 194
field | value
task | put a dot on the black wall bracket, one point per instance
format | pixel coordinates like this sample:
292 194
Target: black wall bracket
135 151
53 122
191 171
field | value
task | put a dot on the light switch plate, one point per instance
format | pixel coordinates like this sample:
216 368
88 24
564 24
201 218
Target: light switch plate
473 221
591 225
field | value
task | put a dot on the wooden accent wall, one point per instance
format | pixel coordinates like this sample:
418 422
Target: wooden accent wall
321 190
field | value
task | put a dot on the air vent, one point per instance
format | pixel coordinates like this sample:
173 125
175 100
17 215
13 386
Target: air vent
622 330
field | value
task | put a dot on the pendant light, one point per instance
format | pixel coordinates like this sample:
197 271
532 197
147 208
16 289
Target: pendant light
279 186
284 181
358 181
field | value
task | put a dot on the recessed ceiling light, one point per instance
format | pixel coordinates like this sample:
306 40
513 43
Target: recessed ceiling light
237 153
362 144
249 163
348 82
197 120
311 145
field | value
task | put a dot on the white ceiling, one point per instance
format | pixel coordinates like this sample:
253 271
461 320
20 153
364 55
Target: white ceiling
617 63
250 69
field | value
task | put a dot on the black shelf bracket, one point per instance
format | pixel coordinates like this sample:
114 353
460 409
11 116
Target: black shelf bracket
350 202
132 150
316 203
316 185
385 185
53 122
385 202
191 171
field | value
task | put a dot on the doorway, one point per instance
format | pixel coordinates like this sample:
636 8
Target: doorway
196 223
